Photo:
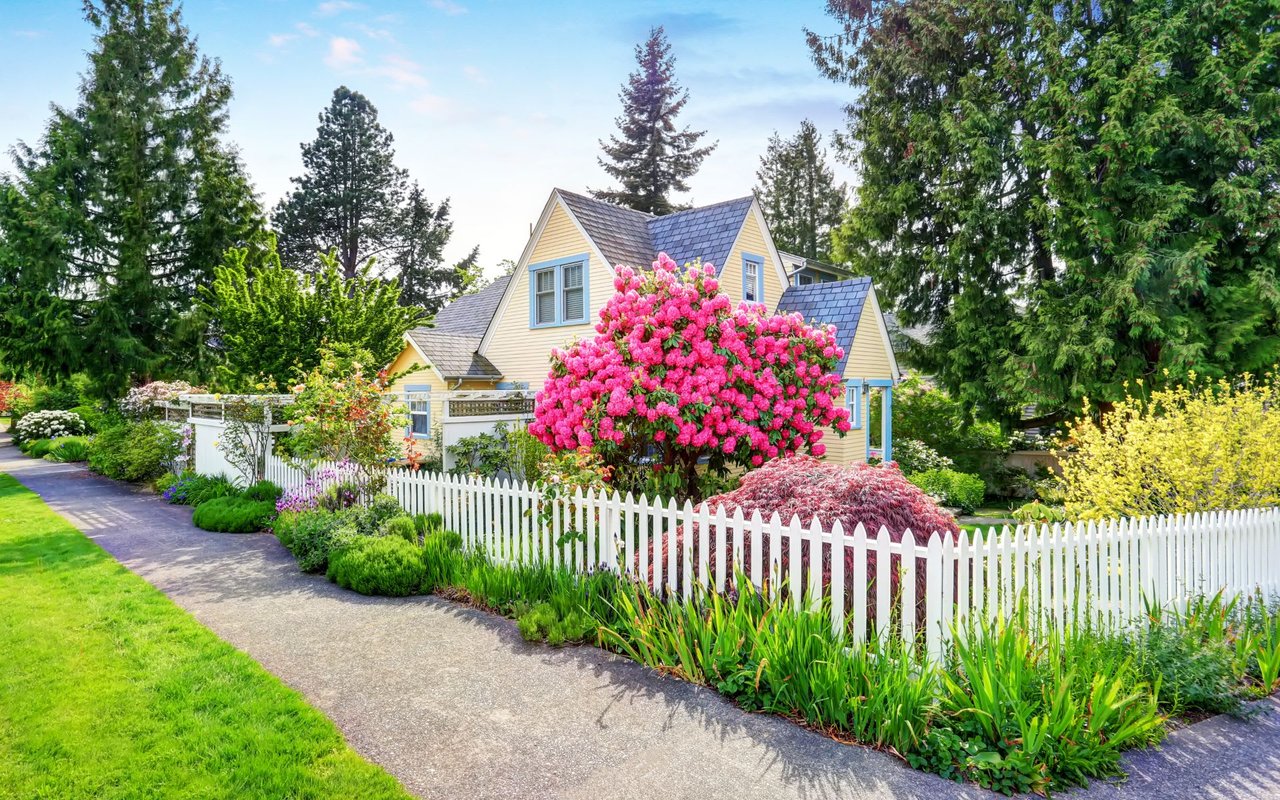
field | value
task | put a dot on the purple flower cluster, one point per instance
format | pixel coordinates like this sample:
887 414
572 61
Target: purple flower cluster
307 496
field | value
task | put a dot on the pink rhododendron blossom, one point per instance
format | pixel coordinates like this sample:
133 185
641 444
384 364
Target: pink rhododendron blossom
676 364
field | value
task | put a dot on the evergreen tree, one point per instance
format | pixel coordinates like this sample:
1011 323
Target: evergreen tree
351 196
123 208
651 158
1072 195
799 194
426 281
271 322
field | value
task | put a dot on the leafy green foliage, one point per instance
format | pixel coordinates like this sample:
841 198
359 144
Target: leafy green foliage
234 514
68 449
401 527
650 156
275 322
544 623
509 451
191 489
1071 195
799 194
36 448
263 490
121 211
134 451
312 536
956 489
378 565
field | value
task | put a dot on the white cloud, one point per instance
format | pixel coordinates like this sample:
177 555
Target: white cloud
475 75
281 39
448 7
343 53
401 72
330 7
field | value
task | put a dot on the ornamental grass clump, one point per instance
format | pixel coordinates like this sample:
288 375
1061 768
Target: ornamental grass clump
1201 446
679 368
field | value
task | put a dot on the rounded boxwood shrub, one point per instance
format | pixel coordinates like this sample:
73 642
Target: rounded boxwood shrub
234 515
264 490
381 565
401 526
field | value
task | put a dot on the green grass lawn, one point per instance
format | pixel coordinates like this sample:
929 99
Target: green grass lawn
109 690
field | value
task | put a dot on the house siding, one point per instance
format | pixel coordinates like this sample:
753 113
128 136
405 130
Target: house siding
867 359
522 353
751 241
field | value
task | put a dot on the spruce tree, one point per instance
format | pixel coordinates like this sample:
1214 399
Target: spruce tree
799 194
651 158
122 210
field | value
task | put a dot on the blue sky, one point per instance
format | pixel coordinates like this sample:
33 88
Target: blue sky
491 103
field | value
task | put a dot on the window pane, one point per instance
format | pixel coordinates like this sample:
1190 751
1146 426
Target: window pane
421 424
573 304
546 307
573 276
546 280
749 279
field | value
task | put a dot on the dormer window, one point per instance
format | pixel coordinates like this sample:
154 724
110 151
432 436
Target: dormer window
558 292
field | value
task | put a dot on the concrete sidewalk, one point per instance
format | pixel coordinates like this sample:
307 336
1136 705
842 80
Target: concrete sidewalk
455 704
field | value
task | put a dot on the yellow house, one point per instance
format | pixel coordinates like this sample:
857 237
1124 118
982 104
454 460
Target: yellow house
502 337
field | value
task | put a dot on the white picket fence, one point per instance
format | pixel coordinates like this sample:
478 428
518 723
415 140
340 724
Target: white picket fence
1099 574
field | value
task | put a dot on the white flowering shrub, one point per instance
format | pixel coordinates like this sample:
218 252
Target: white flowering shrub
914 456
141 400
48 425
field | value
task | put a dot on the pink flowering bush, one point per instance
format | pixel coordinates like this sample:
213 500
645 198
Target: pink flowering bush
852 493
142 400
678 367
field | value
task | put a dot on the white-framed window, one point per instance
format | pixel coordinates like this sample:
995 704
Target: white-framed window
418 399
753 279
558 292
853 402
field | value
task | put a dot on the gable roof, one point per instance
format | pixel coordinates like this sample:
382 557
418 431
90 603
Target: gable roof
634 238
470 314
452 355
838 303
622 234
707 233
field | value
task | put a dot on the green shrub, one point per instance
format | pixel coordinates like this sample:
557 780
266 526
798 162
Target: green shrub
94 420
134 451
427 524
234 515
193 490
312 535
377 565
37 448
956 489
544 623
264 490
69 449
168 480
402 527
1037 513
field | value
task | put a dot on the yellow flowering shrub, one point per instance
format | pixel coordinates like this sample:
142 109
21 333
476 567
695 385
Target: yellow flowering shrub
1196 447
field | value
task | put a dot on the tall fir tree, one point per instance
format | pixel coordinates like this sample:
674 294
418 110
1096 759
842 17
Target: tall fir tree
651 158
1072 195
428 282
351 195
122 210
799 194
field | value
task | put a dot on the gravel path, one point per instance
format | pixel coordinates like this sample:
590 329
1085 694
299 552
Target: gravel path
455 704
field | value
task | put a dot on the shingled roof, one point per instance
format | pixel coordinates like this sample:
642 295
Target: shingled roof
838 303
470 314
452 355
634 238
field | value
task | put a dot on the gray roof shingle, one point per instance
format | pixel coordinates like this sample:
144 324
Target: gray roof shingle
634 238
705 233
838 303
470 314
452 355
